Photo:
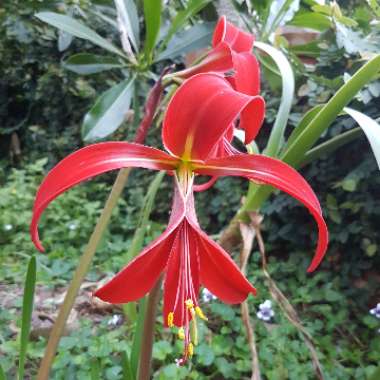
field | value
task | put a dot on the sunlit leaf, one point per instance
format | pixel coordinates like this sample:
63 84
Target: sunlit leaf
196 37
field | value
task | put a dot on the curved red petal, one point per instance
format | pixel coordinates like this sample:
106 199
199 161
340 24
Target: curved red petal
219 273
218 60
89 162
239 40
247 80
200 113
276 173
205 186
140 275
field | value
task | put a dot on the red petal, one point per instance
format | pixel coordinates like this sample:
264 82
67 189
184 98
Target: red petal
200 113
220 274
218 60
239 40
247 80
89 162
140 275
174 285
276 173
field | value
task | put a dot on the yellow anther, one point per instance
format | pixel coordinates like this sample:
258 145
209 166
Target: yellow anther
190 349
171 319
194 332
200 314
181 333
189 304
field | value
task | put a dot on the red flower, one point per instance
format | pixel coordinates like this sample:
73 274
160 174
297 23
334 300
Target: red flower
199 114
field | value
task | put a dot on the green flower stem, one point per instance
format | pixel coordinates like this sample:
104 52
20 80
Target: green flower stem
83 266
148 334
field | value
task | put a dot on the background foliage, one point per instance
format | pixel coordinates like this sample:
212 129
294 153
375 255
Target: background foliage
41 110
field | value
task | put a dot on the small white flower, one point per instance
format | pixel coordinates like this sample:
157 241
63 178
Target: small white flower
73 226
207 296
8 227
265 312
376 311
178 362
115 320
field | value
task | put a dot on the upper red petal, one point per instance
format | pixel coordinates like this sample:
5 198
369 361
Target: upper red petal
219 59
276 173
89 162
239 40
200 113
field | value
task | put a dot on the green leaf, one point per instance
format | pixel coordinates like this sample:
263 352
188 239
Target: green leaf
287 78
196 37
27 308
109 111
152 13
307 118
312 20
77 29
295 151
2 374
129 18
126 364
86 64
370 128
137 338
192 8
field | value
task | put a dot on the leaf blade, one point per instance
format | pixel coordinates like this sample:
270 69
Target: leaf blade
152 14
27 308
77 29
108 112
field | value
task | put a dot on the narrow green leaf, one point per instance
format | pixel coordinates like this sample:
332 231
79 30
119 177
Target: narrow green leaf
287 78
294 153
27 308
109 111
370 128
137 338
77 29
331 145
95 369
129 18
196 37
192 8
152 13
2 374
86 64
127 370
307 118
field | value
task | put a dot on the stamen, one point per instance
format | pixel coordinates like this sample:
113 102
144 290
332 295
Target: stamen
189 303
194 332
200 314
171 319
190 349
181 333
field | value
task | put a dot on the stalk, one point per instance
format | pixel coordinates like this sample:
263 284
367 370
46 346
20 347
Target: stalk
148 334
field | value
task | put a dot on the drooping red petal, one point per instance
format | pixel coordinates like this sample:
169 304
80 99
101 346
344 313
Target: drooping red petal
199 114
239 40
178 278
220 274
140 275
89 162
218 60
278 174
